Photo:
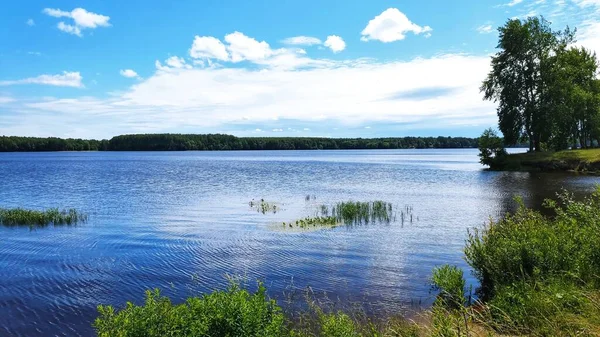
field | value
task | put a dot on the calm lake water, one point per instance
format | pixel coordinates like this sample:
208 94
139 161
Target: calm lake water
180 221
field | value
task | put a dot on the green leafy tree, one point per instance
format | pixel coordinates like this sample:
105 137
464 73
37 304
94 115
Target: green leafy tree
517 79
573 97
491 149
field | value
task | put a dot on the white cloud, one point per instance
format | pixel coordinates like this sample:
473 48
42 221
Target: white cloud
514 3
302 41
391 25
69 29
82 19
66 79
436 90
177 62
277 130
208 47
129 73
306 129
335 43
485 29
242 47
30 22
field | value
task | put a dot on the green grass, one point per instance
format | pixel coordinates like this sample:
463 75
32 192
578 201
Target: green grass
540 275
233 312
356 212
578 160
236 312
25 217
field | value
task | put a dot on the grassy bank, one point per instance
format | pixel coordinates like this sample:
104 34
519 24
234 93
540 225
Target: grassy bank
587 160
539 276
26 217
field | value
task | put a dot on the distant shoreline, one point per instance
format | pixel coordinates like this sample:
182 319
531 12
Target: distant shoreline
220 142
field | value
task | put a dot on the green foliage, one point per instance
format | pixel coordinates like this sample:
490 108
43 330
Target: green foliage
28 144
450 283
219 142
234 312
520 77
25 217
491 149
356 212
313 221
539 273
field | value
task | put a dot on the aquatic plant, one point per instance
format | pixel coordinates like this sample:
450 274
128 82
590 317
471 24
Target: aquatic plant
315 221
356 212
53 216
263 206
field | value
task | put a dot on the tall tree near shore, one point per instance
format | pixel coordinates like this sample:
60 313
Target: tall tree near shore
517 81
573 97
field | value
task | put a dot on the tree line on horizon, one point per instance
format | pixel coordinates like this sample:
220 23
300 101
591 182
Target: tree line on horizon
220 142
547 88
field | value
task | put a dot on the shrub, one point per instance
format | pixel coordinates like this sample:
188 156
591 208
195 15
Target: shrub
450 283
540 273
234 312
491 149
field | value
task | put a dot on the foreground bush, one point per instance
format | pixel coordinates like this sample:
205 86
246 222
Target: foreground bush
234 312
539 274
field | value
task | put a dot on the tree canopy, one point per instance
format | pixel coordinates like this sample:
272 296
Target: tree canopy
546 89
216 142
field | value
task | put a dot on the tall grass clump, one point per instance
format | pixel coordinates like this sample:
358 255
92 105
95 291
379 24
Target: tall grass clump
233 312
356 212
539 275
53 216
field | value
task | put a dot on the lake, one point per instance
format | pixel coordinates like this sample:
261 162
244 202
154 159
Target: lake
181 222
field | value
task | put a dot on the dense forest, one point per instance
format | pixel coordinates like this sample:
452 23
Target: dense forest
214 142
31 144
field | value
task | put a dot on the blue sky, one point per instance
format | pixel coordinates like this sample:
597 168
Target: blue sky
95 69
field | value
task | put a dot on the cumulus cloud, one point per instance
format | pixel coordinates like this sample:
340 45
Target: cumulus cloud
392 25
129 73
66 79
242 47
302 41
70 29
30 22
82 19
208 47
335 43
239 47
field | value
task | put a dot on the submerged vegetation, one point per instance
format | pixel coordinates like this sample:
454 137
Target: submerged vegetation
314 221
356 212
263 206
25 217
351 213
